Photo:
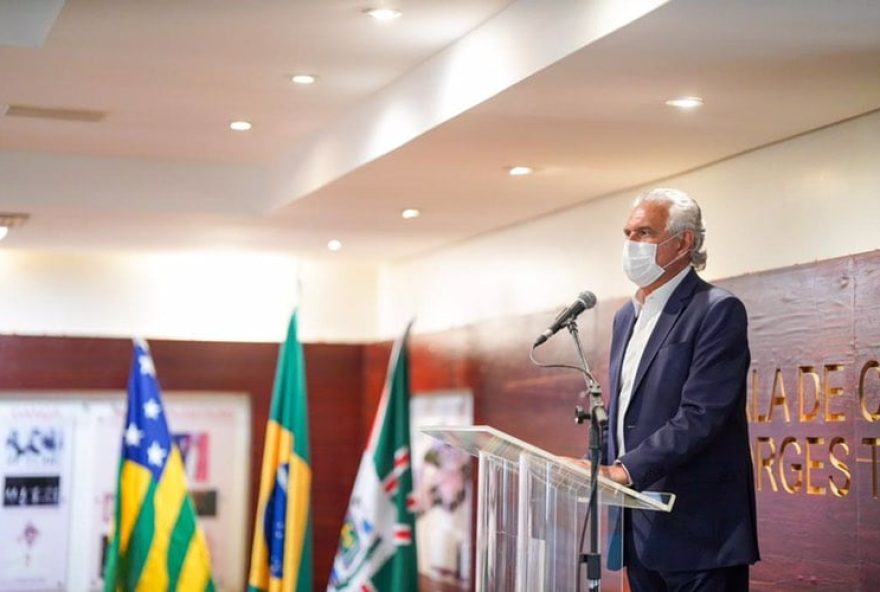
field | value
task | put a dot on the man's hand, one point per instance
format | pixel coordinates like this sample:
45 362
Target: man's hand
615 472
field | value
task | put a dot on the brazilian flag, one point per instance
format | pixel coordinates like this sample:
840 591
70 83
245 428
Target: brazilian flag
281 556
156 543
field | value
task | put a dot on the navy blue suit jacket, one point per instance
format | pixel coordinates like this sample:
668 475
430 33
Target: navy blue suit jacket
686 432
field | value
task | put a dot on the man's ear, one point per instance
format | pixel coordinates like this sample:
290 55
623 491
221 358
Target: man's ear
687 240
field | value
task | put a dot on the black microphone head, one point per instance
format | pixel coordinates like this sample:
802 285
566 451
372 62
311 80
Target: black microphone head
588 298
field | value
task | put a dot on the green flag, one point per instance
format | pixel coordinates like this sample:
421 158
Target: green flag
377 547
281 556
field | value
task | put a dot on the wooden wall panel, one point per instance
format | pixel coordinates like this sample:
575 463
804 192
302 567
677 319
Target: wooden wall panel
335 386
866 373
376 358
802 321
334 381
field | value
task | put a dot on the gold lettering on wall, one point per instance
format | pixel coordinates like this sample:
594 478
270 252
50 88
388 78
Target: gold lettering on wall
805 465
871 416
813 413
813 464
873 443
839 490
798 464
796 467
831 392
777 399
766 462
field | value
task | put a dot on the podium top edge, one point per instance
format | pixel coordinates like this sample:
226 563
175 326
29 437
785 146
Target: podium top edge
509 448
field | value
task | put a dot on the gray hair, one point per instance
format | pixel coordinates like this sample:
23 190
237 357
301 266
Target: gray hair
684 214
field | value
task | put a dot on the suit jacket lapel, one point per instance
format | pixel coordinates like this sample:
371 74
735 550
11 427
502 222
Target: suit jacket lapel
618 347
668 317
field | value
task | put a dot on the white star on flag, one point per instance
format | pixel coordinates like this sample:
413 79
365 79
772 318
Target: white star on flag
146 364
155 454
133 435
152 409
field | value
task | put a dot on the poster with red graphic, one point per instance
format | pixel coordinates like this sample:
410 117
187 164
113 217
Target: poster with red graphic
212 433
442 490
59 465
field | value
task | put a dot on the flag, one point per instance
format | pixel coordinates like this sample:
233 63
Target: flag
377 547
156 542
281 556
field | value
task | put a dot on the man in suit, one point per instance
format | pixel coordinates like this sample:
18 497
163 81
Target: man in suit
677 417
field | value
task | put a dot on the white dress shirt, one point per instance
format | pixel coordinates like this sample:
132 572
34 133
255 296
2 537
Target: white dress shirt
647 315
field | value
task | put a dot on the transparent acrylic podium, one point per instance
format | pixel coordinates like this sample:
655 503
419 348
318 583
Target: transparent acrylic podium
531 508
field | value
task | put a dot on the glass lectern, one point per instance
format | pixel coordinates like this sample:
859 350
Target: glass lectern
531 509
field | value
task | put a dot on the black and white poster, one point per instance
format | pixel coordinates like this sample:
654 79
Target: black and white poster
35 472
59 466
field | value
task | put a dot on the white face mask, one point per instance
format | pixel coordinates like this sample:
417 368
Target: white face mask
640 262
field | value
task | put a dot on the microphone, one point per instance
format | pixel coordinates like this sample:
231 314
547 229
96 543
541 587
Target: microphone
585 300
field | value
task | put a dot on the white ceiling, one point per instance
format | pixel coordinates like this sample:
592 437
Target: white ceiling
458 89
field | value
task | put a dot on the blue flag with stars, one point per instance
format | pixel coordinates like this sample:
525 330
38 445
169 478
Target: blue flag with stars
156 542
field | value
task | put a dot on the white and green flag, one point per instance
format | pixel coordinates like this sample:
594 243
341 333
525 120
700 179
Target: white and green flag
377 547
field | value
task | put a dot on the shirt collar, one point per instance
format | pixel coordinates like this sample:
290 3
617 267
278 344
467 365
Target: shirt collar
659 297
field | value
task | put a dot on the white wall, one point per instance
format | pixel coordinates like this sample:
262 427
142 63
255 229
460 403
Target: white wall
198 295
813 197
339 302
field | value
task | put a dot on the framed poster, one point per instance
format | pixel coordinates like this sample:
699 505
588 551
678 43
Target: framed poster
213 434
36 473
442 490
82 436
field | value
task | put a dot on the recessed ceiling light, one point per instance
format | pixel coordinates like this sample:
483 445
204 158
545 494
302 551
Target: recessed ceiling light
303 78
8 220
410 213
516 171
240 126
334 245
685 102
383 15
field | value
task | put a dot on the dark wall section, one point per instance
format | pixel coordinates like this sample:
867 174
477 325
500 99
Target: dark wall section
815 422
335 387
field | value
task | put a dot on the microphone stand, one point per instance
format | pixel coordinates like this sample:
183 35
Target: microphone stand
598 420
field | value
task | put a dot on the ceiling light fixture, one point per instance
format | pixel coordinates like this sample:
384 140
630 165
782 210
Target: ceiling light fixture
334 245
685 102
8 220
240 126
519 170
410 213
303 79
383 15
